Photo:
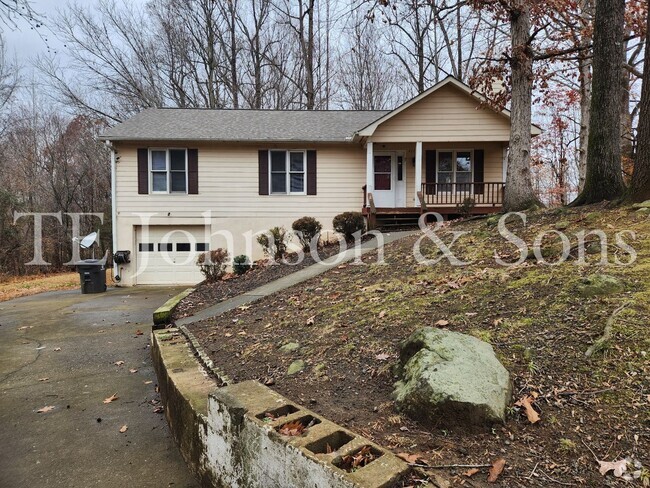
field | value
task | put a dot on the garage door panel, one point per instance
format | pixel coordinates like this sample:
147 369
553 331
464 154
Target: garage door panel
167 255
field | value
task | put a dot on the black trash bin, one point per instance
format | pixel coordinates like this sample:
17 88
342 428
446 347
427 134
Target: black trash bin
92 274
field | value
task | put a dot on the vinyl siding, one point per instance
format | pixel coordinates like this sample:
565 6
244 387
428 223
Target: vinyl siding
446 115
228 185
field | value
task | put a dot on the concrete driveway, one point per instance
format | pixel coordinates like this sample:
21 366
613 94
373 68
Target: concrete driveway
74 341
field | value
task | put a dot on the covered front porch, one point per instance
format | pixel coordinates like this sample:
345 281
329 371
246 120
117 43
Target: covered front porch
404 180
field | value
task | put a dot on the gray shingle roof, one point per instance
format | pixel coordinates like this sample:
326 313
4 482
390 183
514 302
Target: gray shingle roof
242 125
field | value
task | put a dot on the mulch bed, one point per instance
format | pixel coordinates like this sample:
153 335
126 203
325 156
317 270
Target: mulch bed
208 294
349 323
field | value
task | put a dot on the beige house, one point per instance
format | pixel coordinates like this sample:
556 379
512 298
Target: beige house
189 180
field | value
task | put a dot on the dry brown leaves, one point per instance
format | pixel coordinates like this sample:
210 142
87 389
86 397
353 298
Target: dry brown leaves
292 429
352 462
619 467
111 398
496 470
526 402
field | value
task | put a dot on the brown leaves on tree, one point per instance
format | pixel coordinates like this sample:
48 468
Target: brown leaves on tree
111 398
496 470
526 402
363 457
292 429
47 409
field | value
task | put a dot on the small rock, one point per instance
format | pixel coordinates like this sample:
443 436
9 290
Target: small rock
645 204
290 347
296 367
563 225
599 284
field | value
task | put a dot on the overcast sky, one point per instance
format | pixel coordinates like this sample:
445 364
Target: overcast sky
25 41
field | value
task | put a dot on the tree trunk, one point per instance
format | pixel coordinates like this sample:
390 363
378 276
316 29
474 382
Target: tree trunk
640 187
584 68
519 193
604 180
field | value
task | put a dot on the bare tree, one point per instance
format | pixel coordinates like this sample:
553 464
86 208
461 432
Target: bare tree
365 75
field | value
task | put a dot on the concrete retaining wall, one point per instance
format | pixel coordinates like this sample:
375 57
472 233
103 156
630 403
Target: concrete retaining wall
229 439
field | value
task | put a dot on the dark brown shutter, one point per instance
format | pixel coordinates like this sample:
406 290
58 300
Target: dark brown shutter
479 171
263 163
311 172
143 171
431 172
193 171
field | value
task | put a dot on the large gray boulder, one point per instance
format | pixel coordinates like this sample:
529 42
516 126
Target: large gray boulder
448 378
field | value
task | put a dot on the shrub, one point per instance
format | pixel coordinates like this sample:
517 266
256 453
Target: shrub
348 223
465 208
213 264
241 264
274 242
307 228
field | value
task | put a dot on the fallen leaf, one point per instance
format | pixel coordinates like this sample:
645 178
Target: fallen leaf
148 382
228 334
119 363
124 428
111 398
441 323
244 307
43 379
526 402
311 320
159 409
57 349
411 458
496 470
382 357
45 409
25 327
133 370
242 333
292 428
382 314
471 472
138 332
619 467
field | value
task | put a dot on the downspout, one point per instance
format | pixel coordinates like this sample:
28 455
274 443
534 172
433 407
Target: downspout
113 205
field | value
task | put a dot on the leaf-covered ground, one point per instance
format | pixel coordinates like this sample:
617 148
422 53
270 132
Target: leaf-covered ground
348 324
21 286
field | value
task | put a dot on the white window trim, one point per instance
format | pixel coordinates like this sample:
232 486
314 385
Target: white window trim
453 159
287 168
168 170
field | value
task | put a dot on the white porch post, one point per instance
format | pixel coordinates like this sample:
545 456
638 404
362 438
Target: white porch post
370 168
418 171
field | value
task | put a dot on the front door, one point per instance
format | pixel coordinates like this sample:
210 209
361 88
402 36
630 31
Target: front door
390 180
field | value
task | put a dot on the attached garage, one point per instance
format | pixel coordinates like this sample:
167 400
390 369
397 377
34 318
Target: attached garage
166 255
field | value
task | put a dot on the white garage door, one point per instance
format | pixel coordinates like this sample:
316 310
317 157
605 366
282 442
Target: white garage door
166 255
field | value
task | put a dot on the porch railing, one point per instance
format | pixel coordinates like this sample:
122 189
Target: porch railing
456 193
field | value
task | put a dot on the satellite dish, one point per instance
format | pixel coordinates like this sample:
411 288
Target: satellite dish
88 241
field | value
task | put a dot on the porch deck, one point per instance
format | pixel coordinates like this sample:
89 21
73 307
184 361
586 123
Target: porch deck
475 198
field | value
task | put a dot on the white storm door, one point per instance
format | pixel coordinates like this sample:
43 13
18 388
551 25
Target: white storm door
385 167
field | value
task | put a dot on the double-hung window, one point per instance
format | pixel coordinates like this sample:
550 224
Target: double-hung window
455 167
288 171
168 170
